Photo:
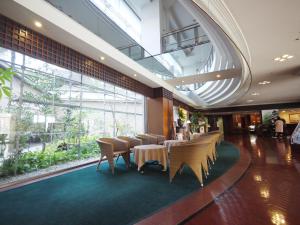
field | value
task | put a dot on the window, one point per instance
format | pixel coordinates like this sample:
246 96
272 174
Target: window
55 115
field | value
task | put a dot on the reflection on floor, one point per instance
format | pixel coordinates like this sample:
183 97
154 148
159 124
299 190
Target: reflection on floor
267 194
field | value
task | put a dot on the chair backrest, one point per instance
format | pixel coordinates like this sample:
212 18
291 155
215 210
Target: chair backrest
147 139
131 140
190 152
195 136
115 143
160 138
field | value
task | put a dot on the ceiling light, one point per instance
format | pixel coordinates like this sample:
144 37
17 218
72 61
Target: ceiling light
254 93
250 100
38 24
264 82
283 111
134 75
218 75
283 58
102 58
182 81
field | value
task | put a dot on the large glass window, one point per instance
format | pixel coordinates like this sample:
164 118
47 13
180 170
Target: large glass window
55 115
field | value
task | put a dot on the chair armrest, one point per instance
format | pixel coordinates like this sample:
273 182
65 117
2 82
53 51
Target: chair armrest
105 147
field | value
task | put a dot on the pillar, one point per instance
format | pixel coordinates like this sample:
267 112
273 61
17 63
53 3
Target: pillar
160 113
151 27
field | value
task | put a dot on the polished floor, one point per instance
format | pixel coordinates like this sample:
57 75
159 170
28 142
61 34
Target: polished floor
268 193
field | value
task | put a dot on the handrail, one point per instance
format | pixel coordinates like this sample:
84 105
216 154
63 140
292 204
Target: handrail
182 29
179 36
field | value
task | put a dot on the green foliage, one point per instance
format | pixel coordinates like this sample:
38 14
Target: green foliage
196 116
73 125
6 76
31 161
181 114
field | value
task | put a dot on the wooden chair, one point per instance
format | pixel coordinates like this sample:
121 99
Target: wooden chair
111 147
193 155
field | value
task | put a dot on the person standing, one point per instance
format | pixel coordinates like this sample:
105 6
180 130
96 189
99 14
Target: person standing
279 128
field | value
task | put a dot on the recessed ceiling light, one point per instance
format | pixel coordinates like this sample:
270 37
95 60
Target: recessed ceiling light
254 93
218 75
38 24
102 58
283 58
134 75
250 100
264 82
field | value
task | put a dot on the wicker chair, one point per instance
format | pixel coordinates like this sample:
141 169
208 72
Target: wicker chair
160 138
194 155
218 135
131 140
147 139
111 147
208 139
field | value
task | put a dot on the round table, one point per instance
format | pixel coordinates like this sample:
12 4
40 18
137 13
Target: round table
169 143
144 153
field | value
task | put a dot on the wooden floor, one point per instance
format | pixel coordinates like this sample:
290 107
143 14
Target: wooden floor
268 193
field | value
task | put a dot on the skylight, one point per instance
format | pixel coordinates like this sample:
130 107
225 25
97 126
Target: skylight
119 12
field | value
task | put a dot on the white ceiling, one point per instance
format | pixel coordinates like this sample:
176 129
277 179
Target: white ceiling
270 28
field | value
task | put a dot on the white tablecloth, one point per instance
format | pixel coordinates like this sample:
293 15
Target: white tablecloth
169 143
144 153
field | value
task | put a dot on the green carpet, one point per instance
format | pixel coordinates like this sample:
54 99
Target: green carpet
87 197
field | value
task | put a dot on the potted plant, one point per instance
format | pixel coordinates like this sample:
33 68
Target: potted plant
197 121
181 116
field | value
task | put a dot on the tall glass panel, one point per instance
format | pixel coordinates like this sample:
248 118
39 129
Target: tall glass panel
55 115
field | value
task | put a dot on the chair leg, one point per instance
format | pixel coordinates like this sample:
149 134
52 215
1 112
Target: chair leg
181 169
174 167
117 159
111 164
99 163
126 157
197 171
